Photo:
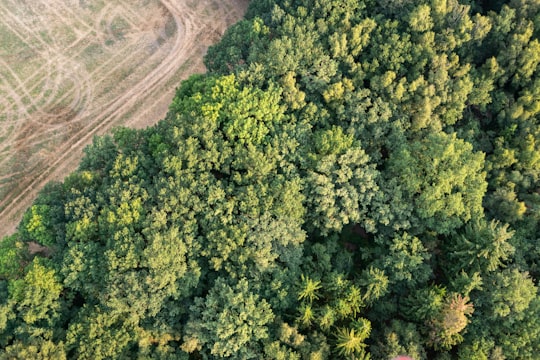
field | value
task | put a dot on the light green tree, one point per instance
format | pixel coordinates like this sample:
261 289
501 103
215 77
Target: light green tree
441 181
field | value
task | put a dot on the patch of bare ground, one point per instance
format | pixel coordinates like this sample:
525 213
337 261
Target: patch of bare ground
34 249
73 69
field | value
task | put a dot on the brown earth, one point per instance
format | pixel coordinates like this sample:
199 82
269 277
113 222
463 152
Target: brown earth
73 69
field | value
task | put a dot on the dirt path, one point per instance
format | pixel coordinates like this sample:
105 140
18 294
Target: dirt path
142 102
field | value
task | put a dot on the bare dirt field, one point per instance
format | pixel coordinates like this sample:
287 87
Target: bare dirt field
72 69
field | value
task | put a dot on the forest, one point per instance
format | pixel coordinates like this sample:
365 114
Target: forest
351 179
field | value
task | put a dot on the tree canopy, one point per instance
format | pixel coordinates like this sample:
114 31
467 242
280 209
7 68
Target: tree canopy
352 179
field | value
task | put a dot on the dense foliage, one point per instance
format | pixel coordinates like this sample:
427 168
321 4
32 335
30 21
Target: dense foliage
352 179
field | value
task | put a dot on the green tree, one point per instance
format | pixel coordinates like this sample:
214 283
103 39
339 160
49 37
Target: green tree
35 309
351 341
509 307
441 181
99 334
12 256
230 321
340 189
37 225
482 247
399 338
404 258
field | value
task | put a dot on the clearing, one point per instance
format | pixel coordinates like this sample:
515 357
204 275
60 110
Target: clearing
72 69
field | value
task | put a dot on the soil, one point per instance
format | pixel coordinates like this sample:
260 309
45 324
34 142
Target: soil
71 70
